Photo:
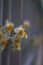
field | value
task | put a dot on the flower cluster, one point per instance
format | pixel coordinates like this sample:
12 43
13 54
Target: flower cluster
6 31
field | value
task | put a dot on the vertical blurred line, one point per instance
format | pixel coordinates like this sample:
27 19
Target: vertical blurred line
21 10
9 10
8 58
42 48
39 56
41 23
5 10
42 3
21 18
42 6
42 40
10 19
0 58
1 12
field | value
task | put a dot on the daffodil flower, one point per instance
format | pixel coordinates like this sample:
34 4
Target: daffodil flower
9 26
18 28
17 47
16 39
4 42
17 42
26 24
21 32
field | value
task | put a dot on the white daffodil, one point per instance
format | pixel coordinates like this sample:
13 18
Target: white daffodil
17 42
20 31
16 39
26 24
17 47
18 28
4 42
9 26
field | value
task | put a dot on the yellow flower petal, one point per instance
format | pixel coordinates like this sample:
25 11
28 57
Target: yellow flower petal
4 42
16 46
25 35
20 32
1 36
17 41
